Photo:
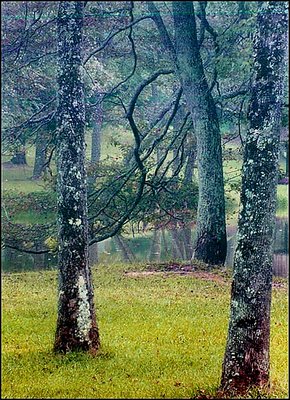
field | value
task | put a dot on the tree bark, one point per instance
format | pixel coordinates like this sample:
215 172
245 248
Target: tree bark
155 249
127 253
178 251
287 158
97 130
19 158
191 158
95 158
246 360
76 325
187 241
40 155
211 243
94 254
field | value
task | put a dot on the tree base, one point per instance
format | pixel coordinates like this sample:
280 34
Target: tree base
211 251
65 342
246 391
19 159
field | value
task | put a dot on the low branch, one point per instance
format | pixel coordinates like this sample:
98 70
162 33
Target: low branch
22 250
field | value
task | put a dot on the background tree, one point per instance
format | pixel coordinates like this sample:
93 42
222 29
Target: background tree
246 360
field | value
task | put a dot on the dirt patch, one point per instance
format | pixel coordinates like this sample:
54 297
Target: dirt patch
219 275
209 276
9 164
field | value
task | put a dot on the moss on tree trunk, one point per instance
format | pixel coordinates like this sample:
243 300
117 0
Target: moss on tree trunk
211 243
246 360
76 325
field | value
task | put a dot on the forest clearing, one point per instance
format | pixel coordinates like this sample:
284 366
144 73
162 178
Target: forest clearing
163 336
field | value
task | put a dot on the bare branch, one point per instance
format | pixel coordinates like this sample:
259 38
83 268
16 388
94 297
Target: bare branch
22 250
110 37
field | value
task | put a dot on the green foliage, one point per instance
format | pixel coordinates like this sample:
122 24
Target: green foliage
162 335
20 224
162 202
282 201
38 202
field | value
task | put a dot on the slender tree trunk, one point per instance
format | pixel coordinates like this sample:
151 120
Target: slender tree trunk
246 360
287 158
155 250
191 158
95 158
40 155
97 130
187 241
164 240
76 325
127 253
177 244
93 254
19 158
188 176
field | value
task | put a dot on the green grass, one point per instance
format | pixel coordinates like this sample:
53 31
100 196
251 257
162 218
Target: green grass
282 201
162 336
18 179
28 217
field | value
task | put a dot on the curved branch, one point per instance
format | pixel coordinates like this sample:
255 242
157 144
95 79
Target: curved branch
26 250
110 37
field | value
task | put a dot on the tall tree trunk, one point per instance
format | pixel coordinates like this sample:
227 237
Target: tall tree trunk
40 155
95 158
287 158
211 243
164 240
188 175
76 325
97 130
246 360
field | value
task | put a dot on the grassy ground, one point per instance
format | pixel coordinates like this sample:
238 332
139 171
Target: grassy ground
163 336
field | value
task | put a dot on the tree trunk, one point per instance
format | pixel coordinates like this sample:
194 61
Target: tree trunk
93 254
155 250
211 243
95 158
287 158
40 155
164 240
97 130
76 325
191 158
19 157
177 245
187 241
246 360
127 253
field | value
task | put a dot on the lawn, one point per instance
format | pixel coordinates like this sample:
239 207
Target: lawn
163 336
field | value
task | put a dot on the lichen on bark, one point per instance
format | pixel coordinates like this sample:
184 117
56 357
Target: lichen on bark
246 360
76 324
210 244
